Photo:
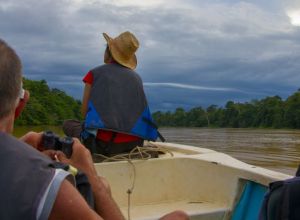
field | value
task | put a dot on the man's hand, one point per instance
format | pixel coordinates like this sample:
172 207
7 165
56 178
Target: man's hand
34 139
81 158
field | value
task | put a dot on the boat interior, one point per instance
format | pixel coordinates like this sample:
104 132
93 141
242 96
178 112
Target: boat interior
204 183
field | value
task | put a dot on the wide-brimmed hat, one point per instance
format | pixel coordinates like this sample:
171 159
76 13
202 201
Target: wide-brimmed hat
123 48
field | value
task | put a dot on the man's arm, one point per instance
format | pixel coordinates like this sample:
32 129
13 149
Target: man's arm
81 158
69 204
85 99
68 198
105 205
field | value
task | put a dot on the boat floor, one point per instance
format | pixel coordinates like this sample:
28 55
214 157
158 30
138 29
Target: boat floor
196 210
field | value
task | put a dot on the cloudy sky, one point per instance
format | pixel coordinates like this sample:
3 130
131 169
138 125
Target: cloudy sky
192 52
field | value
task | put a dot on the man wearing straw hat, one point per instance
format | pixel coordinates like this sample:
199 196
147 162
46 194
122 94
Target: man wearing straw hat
117 116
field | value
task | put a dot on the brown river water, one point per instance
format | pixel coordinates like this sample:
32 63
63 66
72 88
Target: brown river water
277 150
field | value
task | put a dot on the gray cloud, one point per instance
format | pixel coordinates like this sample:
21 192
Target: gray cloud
190 50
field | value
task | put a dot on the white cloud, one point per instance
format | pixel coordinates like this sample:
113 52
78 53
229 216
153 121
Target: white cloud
292 9
294 15
140 3
193 87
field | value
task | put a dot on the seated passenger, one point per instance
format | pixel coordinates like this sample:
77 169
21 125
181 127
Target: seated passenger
117 116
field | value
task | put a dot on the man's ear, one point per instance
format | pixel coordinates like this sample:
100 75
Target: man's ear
22 104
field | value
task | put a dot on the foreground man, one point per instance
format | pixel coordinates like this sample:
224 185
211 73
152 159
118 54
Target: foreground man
32 188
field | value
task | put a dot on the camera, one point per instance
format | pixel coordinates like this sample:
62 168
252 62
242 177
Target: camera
51 141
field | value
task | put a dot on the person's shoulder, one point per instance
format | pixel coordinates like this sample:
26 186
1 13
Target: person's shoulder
19 150
134 73
11 142
4 135
125 69
99 68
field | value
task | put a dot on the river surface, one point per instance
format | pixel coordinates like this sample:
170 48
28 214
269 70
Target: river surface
277 150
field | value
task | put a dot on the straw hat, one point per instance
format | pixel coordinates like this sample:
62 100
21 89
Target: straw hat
123 48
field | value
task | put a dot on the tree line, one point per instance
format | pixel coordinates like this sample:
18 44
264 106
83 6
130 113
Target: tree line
52 106
47 106
270 112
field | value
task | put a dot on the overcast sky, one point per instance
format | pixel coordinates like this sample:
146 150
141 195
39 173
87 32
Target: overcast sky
192 52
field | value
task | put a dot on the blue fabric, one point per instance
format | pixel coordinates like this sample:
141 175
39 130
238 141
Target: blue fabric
250 202
93 119
141 128
144 129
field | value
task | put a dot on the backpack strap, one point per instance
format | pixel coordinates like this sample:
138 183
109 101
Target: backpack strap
152 124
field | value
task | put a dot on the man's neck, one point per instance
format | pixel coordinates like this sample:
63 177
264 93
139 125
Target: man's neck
7 124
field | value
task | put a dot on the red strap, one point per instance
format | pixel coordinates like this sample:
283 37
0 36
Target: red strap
119 138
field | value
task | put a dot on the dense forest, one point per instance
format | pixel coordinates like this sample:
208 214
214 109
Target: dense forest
47 106
270 112
52 106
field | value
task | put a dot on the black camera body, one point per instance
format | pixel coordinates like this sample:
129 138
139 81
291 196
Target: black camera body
52 141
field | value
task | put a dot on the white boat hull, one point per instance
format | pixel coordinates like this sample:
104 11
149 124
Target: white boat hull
204 183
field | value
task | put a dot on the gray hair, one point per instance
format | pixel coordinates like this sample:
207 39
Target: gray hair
10 78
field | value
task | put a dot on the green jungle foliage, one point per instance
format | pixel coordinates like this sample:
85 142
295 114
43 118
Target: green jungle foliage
270 112
47 106
52 106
